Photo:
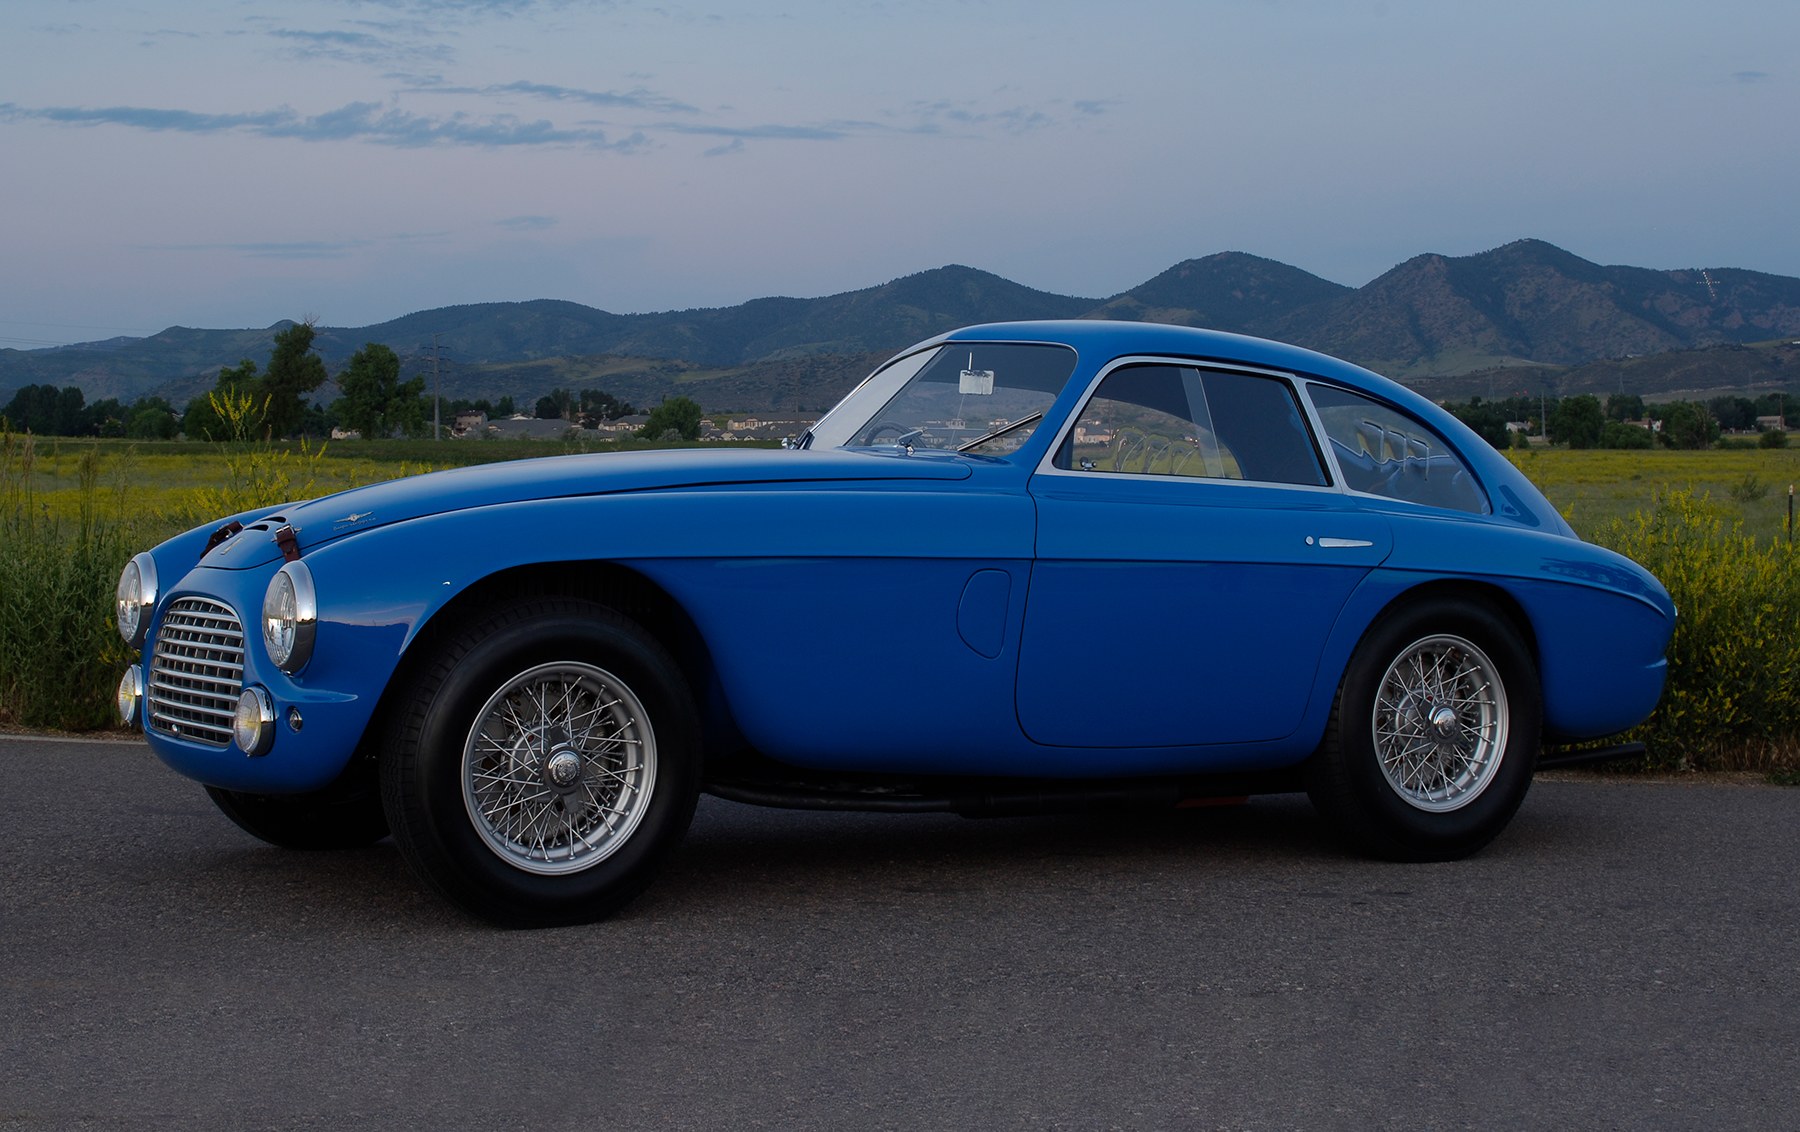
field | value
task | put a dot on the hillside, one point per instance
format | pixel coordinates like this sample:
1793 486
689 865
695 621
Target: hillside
1533 302
1430 320
1676 375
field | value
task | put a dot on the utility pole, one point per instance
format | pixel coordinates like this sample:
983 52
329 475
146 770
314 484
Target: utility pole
437 424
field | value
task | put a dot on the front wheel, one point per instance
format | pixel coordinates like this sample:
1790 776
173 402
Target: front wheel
543 764
1434 735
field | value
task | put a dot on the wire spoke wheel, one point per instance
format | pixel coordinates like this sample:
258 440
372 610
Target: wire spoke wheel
559 768
1440 723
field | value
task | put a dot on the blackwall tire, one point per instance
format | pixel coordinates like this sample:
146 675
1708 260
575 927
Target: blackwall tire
542 763
1434 735
344 815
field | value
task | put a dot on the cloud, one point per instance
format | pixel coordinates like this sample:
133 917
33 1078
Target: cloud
473 8
735 145
354 47
635 99
1750 76
827 132
527 223
1013 120
357 121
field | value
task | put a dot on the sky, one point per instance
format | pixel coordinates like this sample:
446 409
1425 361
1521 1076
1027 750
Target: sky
231 163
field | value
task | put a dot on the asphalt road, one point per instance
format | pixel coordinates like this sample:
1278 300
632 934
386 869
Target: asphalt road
1627 955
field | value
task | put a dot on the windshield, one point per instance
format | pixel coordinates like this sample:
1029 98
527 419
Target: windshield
964 396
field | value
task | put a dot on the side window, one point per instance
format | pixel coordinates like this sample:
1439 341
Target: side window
1382 451
1167 420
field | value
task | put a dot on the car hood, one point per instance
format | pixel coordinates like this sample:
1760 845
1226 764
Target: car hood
486 485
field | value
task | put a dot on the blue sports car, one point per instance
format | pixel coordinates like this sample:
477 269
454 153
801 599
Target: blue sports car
1020 567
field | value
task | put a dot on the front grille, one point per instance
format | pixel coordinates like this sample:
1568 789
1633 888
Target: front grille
197 672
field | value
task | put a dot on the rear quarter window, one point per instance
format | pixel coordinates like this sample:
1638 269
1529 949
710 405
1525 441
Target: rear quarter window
1382 451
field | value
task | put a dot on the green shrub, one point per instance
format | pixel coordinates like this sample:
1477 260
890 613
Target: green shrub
60 655
1733 695
1750 489
1617 435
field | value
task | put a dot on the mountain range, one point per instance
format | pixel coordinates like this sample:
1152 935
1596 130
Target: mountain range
1429 320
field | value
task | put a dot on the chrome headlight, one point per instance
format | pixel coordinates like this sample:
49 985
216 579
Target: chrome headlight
136 598
290 617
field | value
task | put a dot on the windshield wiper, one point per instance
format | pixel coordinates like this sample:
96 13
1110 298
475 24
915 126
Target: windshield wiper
1002 431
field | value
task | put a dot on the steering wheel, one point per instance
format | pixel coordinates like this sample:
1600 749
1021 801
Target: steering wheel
905 435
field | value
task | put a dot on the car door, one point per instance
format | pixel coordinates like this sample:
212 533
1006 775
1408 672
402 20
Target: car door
1192 555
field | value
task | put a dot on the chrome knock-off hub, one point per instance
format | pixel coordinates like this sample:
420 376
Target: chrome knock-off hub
563 768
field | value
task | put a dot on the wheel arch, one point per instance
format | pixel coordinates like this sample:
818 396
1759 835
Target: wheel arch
1495 597
1382 595
618 587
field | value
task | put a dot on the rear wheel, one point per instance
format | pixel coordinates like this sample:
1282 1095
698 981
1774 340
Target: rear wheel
543 764
1434 734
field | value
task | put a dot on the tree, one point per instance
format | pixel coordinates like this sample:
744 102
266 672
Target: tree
106 417
47 411
294 371
677 415
152 422
603 406
548 409
1618 434
1624 407
1783 405
44 409
1687 424
1737 414
565 406
504 407
1486 418
375 401
1577 421
235 385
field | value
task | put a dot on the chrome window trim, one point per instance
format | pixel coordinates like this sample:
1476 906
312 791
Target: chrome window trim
1047 464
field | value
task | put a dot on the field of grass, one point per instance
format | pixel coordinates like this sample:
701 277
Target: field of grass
186 484
172 486
1594 487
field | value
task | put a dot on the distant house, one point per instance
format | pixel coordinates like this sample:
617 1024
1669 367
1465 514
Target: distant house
346 434
529 428
1771 424
624 426
470 425
768 428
